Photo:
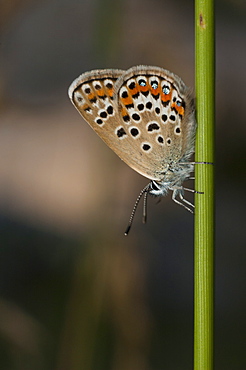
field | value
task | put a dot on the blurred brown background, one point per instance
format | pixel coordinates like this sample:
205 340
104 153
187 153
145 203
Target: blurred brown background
75 293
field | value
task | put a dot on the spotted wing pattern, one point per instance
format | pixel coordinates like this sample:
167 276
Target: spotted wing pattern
145 115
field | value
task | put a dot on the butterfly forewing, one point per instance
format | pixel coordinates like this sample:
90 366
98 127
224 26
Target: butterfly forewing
92 94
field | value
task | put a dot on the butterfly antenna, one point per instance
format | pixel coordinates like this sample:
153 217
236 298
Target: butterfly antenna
144 219
144 192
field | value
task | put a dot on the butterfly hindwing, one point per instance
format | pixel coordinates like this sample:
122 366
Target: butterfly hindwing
157 109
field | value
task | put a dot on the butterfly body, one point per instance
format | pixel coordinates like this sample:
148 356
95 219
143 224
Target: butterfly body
146 115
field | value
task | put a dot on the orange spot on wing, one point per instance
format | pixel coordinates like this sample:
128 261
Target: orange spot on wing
144 88
165 97
85 106
101 92
178 108
91 96
134 91
124 112
127 101
110 91
155 91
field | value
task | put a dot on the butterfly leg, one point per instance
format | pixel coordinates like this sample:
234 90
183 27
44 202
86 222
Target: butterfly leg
194 191
187 202
179 192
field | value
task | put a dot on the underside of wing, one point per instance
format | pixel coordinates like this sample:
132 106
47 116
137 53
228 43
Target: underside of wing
145 115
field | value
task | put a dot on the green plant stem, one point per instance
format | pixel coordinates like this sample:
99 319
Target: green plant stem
204 215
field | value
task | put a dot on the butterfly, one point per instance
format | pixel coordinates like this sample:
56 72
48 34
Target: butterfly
146 115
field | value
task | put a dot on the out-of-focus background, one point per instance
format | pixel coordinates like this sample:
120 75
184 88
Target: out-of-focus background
75 293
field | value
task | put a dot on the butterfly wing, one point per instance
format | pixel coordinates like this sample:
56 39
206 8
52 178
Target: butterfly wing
158 111
92 95
140 114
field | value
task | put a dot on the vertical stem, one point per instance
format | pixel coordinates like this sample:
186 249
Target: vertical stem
204 217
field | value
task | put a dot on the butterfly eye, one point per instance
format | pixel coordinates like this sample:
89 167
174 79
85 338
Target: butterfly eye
154 84
142 83
166 90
